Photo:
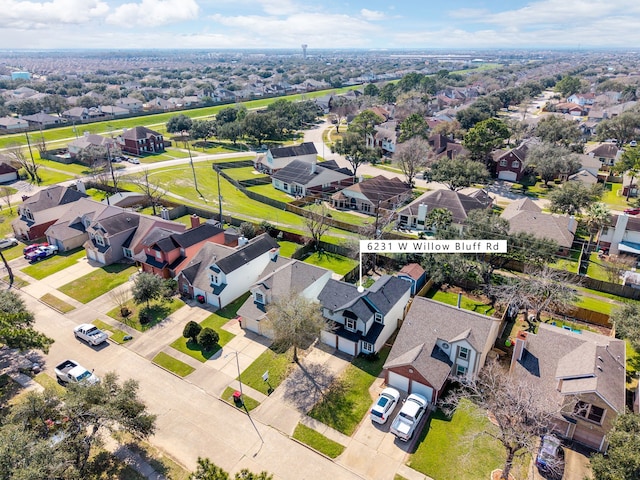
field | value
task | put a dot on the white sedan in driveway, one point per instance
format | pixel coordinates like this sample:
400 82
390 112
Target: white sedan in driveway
383 408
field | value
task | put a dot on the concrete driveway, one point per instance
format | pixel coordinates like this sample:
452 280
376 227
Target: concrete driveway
576 466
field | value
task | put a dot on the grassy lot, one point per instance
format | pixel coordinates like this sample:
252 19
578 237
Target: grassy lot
172 364
194 350
596 268
613 196
49 382
346 217
570 264
54 264
348 400
633 366
288 248
97 283
6 217
56 303
117 335
270 192
249 402
595 304
451 298
158 311
244 173
317 441
453 449
13 252
339 264
277 363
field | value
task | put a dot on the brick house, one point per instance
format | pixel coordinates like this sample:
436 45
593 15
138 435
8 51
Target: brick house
141 141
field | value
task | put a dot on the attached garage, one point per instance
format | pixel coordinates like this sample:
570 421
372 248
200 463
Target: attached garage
347 346
588 437
329 338
508 175
397 381
91 254
421 389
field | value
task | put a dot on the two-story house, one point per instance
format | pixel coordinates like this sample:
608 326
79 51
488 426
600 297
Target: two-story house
437 341
278 158
365 320
622 235
510 165
219 274
583 374
43 209
279 279
373 193
76 146
141 141
133 105
607 153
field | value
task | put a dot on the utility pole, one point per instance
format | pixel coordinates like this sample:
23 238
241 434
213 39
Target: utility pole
215 167
193 170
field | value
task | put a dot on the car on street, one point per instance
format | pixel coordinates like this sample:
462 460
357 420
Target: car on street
135 161
409 416
385 404
633 143
90 334
8 242
550 458
41 252
632 211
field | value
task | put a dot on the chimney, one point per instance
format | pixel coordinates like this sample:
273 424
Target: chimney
521 342
242 241
572 223
313 167
422 211
80 186
195 221
459 300
164 213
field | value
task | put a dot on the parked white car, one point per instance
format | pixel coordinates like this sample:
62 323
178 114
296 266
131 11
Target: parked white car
135 161
90 334
409 417
383 408
8 242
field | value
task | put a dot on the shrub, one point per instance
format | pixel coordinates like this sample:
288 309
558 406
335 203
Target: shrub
208 338
247 230
191 331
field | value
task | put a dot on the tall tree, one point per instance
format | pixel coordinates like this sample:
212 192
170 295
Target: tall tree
147 287
413 126
519 411
412 156
341 107
296 321
629 163
555 129
568 85
458 173
353 147
595 219
179 123
316 222
152 191
438 219
365 123
621 460
549 160
573 197
484 137
17 324
202 129
626 319
622 127
18 154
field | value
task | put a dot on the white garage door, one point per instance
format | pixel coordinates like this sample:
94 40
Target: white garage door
508 176
328 338
398 381
91 254
422 389
346 346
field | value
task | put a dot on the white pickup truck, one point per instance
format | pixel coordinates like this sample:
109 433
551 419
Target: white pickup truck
409 416
90 334
71 371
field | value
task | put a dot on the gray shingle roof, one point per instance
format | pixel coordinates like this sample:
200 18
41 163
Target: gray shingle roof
252 250
303 149
525 216
457 203
308 174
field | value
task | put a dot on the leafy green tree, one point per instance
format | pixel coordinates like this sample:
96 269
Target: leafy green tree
458 173
438 219
573 197
365 123
622 127
202 129
468 117
387 93
557 130
595 219
629 163
16 324
484 137
296 321
413 126
353 146
259 126
371 90
230 131
568 86
622 458
191 331
147 287
179 123
549 160
228 115
626 319
247 230
208 338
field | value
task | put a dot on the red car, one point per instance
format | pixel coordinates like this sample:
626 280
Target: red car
30 248
632 211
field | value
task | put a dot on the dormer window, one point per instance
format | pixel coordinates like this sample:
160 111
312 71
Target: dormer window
378 317
350 324
99 239
259 297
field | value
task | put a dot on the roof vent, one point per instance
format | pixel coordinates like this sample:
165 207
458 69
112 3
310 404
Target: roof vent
600 358
599 368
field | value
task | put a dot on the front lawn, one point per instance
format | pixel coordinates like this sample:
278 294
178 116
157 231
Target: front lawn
249 402
194 350
278 364
54 264
348 399
317 441
613 198
49 383
337 263
451 298
117 335
56 303
97 283
454 448
158 311
172 364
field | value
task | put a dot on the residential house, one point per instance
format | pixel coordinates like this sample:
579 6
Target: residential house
278 280
113 111
581 375
43 209
133 105
120 236
364 321
527 217
435 342
141 141
76 114
219 274
622 236
443 146
371 194
582 99
301 178
41 120
159 103
589 171
384 137
166 252
75 147
414 215
510 165
278 158
8 173
415 275
607 153
12 124
572 109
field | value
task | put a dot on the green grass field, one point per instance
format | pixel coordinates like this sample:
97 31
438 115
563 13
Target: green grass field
54 264
278 364
98 282
451 298
337 263
317 441
172 364
194 350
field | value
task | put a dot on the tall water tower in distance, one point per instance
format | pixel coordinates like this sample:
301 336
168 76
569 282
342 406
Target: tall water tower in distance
304 51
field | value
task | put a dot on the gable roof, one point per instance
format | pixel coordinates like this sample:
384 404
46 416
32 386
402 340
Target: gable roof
52 197
308 174
379 188
7 168
525 216
584 362
429 321
303 149
457 203
139 133
412 270
256 247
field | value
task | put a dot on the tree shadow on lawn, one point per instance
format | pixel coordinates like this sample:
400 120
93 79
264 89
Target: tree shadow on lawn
207 354
155 314
308 384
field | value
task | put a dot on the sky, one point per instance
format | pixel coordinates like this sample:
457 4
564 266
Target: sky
325 24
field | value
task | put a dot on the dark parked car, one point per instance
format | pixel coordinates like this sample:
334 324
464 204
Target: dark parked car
632 211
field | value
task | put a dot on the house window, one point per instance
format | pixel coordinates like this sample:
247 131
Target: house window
377 317
367 347
366 207
215 280
589 412
185 287
503 163
99 240
463 353
259 298
460 370
158 255
515 164
350 324
127 252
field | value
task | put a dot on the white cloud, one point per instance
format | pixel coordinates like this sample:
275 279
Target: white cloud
28 15
151 13
280 7
372 15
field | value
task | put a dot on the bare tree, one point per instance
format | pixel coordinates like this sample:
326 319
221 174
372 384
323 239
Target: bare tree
616 265
152 191
296 321
7 193
17 153
411 156
120 296
316 223
520 412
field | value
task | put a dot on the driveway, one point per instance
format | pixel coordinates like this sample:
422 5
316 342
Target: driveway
577 466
